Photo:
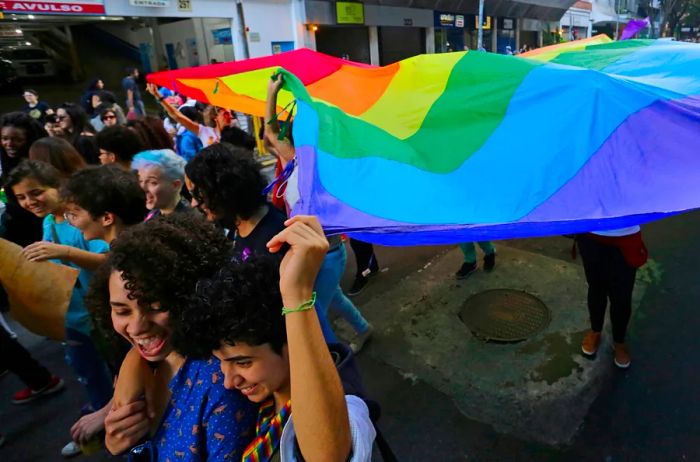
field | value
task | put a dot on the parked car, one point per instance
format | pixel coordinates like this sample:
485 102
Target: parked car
30 61
8 77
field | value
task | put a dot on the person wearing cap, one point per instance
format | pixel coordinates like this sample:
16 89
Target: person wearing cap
36 109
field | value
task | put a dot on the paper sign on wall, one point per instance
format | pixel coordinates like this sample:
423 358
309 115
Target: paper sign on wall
150 3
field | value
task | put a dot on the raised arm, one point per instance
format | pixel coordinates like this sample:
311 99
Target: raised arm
319 410
281 148
173 111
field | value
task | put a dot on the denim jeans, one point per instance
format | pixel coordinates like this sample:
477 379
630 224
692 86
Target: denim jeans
342 305
91 369
469 250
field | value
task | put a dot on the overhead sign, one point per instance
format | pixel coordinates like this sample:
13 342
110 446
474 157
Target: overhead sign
443 19
486 24
350 13
150 3
54 7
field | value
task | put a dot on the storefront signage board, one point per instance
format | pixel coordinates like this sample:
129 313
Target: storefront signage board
444 19
54 7
350 13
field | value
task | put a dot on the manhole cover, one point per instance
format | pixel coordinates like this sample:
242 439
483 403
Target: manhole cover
504 315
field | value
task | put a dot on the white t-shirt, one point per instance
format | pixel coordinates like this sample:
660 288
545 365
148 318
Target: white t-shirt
207 135
361 427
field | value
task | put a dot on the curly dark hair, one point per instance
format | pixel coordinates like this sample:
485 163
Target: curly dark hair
123 142
228 180
107 188
151 132
240 303
33 130
161 261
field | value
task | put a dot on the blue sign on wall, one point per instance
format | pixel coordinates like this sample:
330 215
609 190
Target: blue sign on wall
281 47
222 36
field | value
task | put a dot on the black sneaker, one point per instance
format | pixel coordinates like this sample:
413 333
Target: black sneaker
465 270
489 262
358 285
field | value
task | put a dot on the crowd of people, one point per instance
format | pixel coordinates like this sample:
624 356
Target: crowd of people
165 218
201 309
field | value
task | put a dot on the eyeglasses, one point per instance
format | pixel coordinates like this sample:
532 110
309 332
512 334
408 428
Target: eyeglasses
109 117
62 117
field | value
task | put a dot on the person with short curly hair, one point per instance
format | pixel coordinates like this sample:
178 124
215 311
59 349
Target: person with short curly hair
261 324
226 184
102 201
118 145
140 293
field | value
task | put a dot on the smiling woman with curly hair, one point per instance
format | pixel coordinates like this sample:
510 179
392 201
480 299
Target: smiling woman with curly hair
148 280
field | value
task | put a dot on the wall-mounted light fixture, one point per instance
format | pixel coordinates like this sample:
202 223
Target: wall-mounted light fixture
312 27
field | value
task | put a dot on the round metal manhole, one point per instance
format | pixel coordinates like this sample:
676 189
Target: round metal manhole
504 315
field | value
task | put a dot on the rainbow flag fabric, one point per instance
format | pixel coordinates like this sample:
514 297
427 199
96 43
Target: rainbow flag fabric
473 146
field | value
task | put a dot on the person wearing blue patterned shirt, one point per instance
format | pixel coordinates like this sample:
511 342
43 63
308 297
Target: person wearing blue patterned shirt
177 407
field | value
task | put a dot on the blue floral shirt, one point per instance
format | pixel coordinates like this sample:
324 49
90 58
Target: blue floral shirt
204 421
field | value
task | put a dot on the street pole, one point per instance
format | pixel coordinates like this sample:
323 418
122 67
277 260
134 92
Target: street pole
571 26
480 34
617 20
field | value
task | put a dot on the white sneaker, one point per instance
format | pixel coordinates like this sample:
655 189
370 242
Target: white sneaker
71 449
360 340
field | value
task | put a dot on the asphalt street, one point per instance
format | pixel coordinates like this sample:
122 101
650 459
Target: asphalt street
648 413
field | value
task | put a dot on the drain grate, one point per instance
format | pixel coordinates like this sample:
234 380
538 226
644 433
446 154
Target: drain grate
504 315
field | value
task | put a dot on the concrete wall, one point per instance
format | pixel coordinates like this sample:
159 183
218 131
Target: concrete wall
178 34
200 9
192 40
268 21
320 12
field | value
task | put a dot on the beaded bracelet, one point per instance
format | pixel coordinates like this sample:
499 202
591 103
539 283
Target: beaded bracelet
307 305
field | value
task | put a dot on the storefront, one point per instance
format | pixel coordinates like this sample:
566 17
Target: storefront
473 33
450 32
506 35
458 32
374 34
397 43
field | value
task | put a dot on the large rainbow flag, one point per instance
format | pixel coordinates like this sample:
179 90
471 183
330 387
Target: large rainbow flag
473 146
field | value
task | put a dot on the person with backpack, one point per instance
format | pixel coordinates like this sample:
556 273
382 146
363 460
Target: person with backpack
260 322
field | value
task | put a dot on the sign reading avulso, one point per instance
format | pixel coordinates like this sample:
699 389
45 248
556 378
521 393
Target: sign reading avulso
350 13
